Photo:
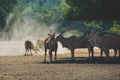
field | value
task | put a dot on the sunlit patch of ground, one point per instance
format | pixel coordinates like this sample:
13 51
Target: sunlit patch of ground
33 68
19 67
17 48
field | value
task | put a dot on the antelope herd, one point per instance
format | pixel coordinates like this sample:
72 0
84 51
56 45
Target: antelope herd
90 39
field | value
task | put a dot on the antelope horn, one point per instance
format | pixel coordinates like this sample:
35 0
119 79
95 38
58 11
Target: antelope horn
62 32
50 31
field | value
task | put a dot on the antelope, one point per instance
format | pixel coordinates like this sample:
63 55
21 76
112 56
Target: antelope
29 46
51 44
104 41
40 44
73 42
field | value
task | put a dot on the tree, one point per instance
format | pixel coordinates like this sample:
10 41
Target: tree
93 10
6 7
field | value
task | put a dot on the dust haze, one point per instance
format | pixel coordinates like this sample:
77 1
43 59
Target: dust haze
26 28
21 28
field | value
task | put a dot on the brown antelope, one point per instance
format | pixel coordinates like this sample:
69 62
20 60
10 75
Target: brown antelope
74 42
104 41
29 46
51 44
40 44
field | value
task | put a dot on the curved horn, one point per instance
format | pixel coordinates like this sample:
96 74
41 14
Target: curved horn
62 32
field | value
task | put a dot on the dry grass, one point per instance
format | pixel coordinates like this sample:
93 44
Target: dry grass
33 68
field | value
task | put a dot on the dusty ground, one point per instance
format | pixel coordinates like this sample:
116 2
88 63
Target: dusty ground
33 68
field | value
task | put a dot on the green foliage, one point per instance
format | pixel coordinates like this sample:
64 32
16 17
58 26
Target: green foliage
6 7
42 10
115 27
3 14
57 11
95 14
93 9
75 32
93 24
114 30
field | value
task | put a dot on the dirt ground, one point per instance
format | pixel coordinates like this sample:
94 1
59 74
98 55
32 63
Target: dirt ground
33 68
